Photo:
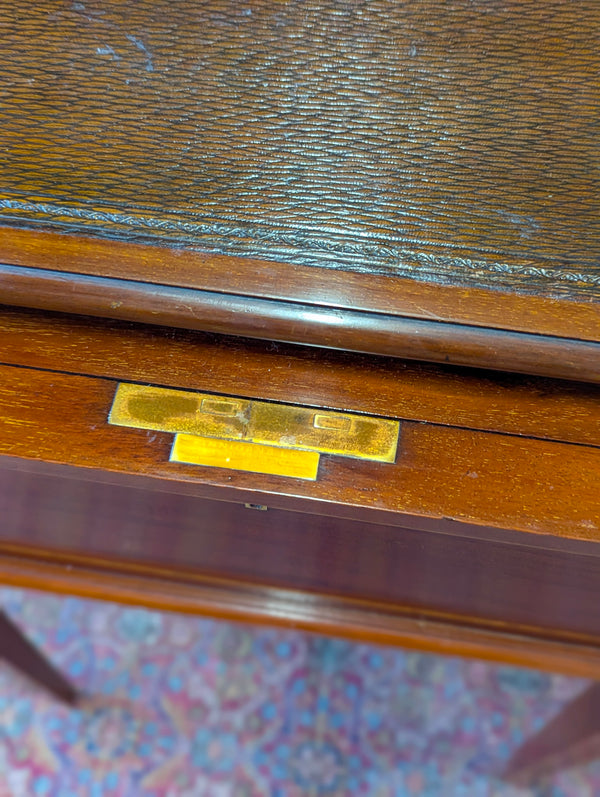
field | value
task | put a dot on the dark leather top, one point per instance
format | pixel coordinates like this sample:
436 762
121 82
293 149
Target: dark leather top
439 140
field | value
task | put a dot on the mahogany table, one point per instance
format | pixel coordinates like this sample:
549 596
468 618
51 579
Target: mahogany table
310 219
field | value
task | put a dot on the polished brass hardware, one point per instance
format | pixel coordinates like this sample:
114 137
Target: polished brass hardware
236 455
260 429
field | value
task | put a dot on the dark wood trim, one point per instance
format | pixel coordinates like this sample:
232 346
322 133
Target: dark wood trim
472 581
571 738
20 653
374 516
473 477
176 265
361 620
490 401
291 322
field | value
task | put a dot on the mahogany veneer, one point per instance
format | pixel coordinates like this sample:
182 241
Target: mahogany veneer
475 528
396 181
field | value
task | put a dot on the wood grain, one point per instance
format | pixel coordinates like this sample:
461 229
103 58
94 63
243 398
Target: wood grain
434 142
430 575
525 406
349 330
441 472
360 620
188 267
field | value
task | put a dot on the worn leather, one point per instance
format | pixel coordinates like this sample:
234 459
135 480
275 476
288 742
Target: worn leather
443 140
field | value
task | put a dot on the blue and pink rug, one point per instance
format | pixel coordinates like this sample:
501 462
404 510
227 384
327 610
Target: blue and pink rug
186 707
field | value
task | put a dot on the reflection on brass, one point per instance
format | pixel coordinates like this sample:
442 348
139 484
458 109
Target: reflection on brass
237 455
177 411
283 426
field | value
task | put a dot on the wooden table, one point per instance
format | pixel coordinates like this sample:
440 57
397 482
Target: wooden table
370 208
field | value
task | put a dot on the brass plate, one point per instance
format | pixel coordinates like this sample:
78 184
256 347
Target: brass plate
279 425
237 455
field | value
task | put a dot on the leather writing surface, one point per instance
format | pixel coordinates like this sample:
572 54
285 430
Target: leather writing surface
451 141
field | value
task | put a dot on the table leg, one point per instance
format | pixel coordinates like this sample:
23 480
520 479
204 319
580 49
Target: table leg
18 651
572 738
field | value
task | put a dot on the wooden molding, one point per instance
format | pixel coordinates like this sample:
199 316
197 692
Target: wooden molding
246 602
189 267
291 322
495 402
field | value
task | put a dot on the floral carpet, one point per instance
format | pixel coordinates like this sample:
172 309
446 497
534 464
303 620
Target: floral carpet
184 707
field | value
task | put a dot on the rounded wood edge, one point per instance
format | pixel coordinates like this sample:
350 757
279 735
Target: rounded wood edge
389 387
290 322
177 266
362 621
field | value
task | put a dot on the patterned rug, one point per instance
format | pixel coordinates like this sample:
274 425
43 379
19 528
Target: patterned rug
186 707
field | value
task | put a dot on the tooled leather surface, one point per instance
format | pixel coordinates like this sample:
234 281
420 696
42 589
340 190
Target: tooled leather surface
452 140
